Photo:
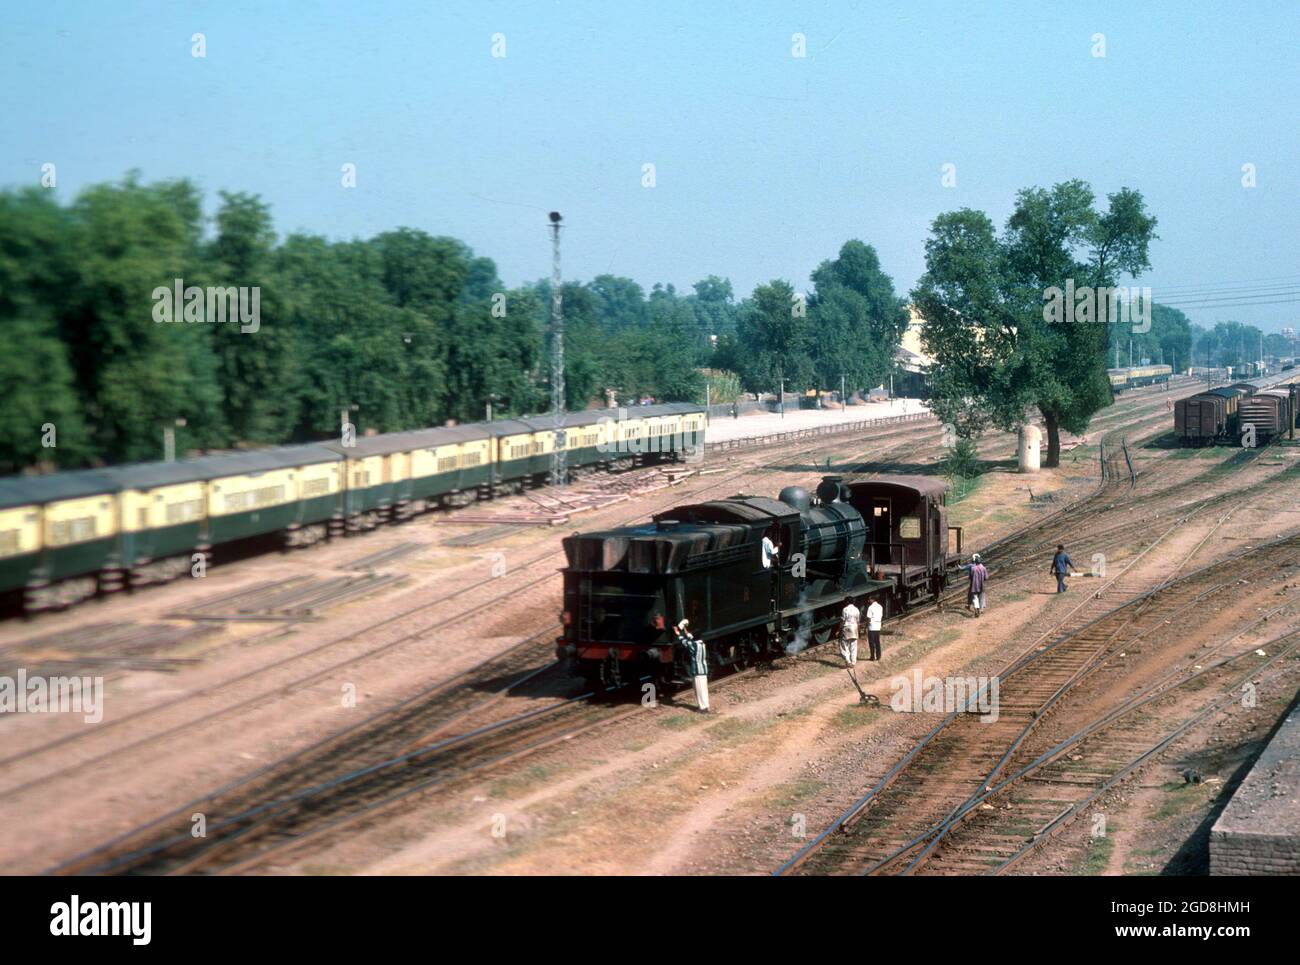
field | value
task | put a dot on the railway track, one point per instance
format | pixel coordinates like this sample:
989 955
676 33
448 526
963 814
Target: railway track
341 768
252 822
1020 814
907 815
510 591
420 722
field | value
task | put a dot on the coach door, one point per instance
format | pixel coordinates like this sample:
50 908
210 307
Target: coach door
882 527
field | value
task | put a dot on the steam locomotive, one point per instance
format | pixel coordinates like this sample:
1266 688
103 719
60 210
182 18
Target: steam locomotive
625 589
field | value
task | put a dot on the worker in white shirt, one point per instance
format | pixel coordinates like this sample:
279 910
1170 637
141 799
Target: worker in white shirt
771 554
849 634
875 614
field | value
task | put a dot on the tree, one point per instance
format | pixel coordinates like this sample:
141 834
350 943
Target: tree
139 375
36 275
998 347
856 319
1168 342
1227 344
777 338
619 303
715 309
254 368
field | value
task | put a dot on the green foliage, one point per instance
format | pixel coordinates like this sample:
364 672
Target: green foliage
723 387
982 298
1169 342
777 339
1233 343
857 320
403 330
963 459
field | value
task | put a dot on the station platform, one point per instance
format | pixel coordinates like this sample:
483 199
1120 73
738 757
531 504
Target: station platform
723 428
1258 833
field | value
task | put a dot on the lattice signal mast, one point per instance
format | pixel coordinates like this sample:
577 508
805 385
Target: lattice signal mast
559 458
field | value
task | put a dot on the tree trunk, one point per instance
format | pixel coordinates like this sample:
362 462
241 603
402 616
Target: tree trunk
1053 427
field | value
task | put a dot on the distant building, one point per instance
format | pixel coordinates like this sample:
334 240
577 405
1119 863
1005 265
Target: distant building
910 359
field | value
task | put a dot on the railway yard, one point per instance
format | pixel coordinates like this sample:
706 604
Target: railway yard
392 703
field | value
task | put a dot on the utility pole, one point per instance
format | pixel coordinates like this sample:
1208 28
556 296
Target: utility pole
169 439
559 458
780 396
844 399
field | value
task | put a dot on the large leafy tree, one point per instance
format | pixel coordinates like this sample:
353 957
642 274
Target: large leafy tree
619 303
1227 344
36 378
255 368
983 299
137 375
778 338
857 319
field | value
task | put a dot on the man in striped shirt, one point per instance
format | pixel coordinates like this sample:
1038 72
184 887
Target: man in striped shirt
697 663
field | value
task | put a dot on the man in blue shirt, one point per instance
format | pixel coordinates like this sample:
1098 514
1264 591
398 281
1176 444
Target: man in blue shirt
1061 566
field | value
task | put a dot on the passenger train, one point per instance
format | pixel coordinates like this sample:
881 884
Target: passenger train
1138 376
69 535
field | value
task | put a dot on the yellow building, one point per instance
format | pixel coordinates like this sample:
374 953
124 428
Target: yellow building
911 358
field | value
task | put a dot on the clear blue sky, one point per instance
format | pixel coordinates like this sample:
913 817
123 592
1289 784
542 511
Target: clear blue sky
765 163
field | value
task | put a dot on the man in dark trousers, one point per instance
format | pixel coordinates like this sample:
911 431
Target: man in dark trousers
1061 567
875 613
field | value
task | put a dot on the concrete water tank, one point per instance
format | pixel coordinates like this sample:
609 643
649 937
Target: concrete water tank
1029 457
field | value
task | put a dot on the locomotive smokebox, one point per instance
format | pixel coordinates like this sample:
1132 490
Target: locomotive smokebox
796 497
830 489
834 532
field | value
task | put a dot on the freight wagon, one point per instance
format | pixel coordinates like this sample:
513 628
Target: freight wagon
1269 414
1207 417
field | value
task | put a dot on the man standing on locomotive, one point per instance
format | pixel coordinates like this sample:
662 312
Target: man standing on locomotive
849 633
771 554
697 663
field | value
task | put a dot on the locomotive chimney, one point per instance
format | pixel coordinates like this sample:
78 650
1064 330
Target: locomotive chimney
830 489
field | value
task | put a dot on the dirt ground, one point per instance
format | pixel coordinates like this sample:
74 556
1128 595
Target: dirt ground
666 791
671 792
